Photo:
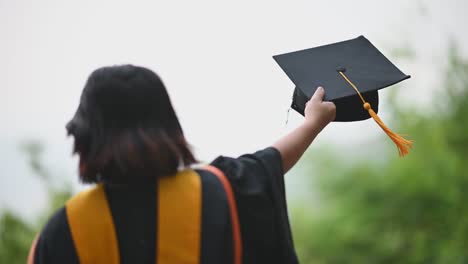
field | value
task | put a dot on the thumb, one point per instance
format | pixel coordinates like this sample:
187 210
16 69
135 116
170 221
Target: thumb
318 95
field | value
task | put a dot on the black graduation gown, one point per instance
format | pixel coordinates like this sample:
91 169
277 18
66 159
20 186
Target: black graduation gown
258 184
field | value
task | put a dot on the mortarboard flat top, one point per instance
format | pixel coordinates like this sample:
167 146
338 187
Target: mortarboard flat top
362 63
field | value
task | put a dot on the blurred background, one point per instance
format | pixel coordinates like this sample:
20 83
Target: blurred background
351 198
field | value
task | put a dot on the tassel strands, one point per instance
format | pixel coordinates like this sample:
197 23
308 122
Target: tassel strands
403 145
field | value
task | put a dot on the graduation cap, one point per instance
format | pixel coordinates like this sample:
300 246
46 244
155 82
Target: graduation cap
351 72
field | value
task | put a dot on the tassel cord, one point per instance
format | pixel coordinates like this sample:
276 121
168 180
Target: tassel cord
403 145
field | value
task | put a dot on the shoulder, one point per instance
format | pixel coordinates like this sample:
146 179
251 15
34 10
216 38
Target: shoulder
256 168
211 185
55 244
56 225
267 156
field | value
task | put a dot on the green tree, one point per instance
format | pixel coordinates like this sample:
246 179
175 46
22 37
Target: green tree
411 210
15 238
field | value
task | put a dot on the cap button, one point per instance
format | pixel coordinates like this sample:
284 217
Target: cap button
341 69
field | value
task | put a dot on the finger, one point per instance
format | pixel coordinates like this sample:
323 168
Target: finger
332 108
330 105
319 94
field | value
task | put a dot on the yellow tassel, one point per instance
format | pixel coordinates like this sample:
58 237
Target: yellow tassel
403 145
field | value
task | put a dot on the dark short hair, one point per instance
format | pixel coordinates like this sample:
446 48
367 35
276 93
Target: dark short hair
125 128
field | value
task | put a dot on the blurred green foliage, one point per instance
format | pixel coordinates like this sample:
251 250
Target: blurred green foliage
400 210
17 234
15 238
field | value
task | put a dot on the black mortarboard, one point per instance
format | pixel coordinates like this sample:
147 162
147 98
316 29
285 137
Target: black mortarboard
351 72
357 58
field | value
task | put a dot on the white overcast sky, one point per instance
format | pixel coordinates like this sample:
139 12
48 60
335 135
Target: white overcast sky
215 59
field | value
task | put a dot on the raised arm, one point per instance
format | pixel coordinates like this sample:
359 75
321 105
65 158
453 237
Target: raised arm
318 114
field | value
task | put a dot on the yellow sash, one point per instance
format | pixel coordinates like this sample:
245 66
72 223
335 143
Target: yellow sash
179 222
